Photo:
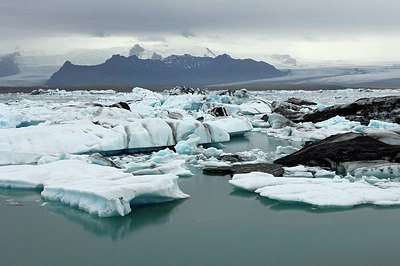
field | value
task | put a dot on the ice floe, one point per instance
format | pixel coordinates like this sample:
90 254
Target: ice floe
321 192
100 190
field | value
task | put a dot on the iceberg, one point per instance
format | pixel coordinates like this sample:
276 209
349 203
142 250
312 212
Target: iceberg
320 192
234 126
278 121
100 190
28 145
257 106
382 125
286 149
386 170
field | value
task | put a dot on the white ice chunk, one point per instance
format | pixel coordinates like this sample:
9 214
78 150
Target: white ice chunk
278 121
306 171
321 192
152 132
388 170
257 106
286 149
234 126
214 163
322 173
338 123
190 147
28 145
104 191
145 95
382 125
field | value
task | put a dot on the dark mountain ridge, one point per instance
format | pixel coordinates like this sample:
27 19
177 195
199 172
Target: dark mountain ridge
173 70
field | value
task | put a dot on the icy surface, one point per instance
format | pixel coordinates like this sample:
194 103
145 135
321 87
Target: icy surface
321 192
57 127
387 170
99 190
234 126
28 144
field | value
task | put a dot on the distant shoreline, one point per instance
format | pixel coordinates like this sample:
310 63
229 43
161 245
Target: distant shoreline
22 89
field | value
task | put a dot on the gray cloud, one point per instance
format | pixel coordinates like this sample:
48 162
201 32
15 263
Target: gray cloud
358 29
123 17
188 34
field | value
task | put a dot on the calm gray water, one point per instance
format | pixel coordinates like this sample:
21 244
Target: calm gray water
217 225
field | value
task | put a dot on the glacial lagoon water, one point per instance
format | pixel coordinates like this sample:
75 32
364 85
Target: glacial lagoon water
217 225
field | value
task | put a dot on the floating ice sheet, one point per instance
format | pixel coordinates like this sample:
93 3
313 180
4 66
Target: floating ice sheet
101 190
321 192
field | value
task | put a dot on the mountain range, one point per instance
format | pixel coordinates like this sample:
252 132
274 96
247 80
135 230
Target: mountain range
170 71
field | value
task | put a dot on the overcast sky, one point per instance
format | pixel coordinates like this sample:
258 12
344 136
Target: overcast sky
354 30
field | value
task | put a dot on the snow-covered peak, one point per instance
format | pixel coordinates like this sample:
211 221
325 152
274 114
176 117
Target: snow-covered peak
284 60
155 52
136 50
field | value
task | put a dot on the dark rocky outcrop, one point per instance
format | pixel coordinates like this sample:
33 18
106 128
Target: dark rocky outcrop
97 158
179 90
363 110
345 147
233 158
170 71
273 169
297 101
219 111
122 105
240 93
288 110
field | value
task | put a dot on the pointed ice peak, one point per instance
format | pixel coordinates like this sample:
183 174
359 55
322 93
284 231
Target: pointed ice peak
136 50
284 59
156 56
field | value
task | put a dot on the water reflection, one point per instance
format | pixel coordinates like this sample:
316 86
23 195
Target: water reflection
118 228
255 140
22 195
115 228
279 206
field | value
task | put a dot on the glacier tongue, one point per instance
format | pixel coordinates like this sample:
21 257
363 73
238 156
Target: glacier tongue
104 191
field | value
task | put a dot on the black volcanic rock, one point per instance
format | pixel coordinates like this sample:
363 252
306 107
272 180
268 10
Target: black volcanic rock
363 110
347 147
270 168
170 71
9 65
298 101
289 110
219 111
